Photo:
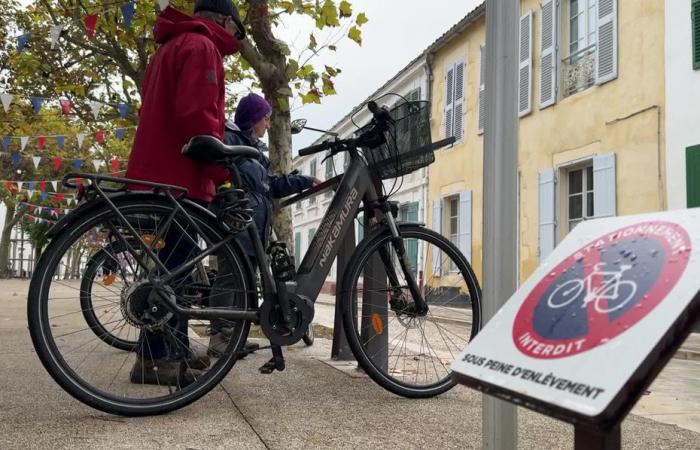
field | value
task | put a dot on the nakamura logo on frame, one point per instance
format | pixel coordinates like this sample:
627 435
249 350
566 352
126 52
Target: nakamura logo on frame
601 290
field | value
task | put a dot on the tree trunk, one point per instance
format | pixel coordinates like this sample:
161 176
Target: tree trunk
281 158
11 218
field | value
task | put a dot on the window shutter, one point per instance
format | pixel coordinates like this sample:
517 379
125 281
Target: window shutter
548 55
465 224
297 248
695 17
437 227
547 225
606 49
449 96
482 90
412 212
604 186
360 227
692 180
458 103
525 66
312 233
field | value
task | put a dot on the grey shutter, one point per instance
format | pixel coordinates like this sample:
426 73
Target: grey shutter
458 102
482 90
449 96
547 224
606 49
604 191
465 224
525 65
437 227
548 53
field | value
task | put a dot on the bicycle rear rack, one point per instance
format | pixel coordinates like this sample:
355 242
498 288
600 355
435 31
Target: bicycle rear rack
97 182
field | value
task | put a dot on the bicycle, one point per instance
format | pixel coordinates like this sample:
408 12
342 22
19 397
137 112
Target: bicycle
608 291
405 321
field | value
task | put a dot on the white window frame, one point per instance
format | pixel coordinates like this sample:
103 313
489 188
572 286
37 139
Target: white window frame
448 215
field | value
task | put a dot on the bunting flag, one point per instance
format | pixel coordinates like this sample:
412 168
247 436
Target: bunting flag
40 142
77 163
66 105
60 141
115 166
23 141
58 197
6 142
42 185
100 136
128 13
95 107
80 137
90 23
163 4
30 188
56 161
35 160
54 183
15 159
44 196
36 103
6 100
55 33
120 133
96 163
19 185
123 109
22 41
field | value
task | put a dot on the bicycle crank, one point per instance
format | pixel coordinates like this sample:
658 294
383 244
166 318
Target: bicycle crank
280 332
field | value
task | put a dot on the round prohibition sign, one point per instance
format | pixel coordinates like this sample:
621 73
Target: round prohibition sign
601 290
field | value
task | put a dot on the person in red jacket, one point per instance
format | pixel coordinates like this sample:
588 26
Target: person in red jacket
182 96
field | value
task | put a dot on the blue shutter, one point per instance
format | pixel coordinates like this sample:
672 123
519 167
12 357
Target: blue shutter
465 224
606 48
604 191
437 227
458 103
548 53
525 65
547 223
449 96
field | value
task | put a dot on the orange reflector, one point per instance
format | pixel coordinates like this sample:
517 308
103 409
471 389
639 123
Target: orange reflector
109 279
377 324
148 239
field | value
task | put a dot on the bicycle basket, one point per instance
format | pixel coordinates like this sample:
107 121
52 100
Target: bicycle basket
407 142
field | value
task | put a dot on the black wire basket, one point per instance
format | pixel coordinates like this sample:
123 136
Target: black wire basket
407 146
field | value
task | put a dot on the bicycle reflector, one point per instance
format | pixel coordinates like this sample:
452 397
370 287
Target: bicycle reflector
149 238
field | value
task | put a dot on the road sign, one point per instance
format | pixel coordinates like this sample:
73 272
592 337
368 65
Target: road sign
582 338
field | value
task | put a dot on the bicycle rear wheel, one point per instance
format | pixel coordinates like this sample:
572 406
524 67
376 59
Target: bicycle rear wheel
407 353
92 369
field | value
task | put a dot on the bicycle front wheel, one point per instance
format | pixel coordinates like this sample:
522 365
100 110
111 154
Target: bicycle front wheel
405 352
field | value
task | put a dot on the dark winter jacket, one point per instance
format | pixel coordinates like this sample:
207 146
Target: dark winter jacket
183 96
261 182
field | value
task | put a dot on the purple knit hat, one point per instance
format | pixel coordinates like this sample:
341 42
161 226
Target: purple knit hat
250 110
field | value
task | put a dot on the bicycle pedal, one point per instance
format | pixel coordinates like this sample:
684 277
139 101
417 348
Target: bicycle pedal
272 365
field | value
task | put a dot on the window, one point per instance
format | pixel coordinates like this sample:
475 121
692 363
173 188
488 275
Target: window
297 248
329 175
409 213
692 180
454 100
452 223
695 24
581 37
582 25
414 95
579 197
312 173
298 204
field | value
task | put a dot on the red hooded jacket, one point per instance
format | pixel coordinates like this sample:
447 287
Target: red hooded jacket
182 96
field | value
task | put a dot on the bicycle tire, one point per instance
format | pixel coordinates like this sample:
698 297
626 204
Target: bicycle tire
349 307
53 360
308 338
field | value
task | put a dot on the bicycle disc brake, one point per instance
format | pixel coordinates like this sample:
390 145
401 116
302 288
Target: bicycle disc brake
274 326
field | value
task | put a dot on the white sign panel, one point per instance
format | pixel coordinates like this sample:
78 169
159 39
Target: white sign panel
588 318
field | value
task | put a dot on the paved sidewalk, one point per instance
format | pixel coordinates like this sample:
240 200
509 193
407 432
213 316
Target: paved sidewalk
310 405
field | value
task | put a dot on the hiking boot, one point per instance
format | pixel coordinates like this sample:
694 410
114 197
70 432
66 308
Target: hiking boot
162 372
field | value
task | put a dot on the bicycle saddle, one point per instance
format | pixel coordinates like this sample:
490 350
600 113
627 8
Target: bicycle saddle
208 150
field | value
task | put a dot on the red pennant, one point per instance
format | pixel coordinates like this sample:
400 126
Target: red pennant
115 164
58 197
78 181
40 142
90 23
56 161
66 105
100 136
42 186
8 185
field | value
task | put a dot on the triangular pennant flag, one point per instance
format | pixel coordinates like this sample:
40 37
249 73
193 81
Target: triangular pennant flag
163 4
30 191
78 181
19 185
115 164
6 100
60 141
128 13
100 136
77 163
35 160
8 185
40 142
42 185
54 184
6 142
58 197
23 141
66 105
81 138
95 107
16 159
66 211
55 33
120 133
123 109
22 41
56 161
90 23
96 163
36 103
38 209
43 196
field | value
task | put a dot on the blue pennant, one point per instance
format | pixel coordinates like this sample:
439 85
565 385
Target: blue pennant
77 163
128 13
22 41
16 159
36 103
123 109
44 195
6 142
60 140
120 133
30 185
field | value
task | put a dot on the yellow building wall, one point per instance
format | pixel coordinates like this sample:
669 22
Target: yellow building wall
624 116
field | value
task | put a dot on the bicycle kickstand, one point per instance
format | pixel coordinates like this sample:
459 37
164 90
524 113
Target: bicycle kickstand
275 363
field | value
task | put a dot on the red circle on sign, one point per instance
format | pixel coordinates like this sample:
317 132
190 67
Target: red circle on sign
601 290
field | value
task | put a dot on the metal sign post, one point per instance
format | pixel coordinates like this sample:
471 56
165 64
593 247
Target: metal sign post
500 193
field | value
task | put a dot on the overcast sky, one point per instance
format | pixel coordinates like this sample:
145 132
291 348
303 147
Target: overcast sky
397 32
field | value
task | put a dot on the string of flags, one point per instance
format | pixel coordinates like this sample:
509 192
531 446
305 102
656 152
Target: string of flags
38 213
89 22
41 141
64 103
57 162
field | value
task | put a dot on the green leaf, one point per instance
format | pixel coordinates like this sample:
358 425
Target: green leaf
331 71
287 6
355 35
292 68
312 42
328 87
345 9
361 19
329 13
312 96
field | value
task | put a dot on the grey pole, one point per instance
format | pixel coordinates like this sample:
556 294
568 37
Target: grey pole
500 192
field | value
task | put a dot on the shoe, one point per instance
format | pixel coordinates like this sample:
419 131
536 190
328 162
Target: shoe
198 360
162 372
219 341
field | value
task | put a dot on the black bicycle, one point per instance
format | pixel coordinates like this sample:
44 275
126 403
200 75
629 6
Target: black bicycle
409 298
